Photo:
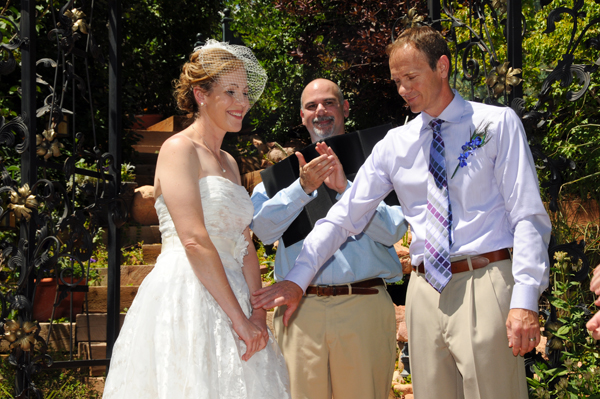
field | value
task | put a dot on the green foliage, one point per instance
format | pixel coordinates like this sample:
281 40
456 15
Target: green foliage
572 129
54 384
272 35
127 172
159 36
343 41
578 376
130 255
266 257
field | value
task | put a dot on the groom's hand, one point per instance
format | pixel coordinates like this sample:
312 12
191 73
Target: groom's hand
279 294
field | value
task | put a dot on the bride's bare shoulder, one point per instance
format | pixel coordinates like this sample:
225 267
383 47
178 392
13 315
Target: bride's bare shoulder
178 142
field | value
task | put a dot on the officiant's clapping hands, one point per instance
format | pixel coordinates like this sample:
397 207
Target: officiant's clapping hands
325 168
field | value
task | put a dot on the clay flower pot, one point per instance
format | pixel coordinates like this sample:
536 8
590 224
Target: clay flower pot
44 301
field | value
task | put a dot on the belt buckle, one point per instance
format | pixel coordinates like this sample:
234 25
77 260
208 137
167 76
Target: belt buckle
319 287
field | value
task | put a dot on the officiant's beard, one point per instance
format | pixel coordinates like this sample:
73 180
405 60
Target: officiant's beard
324 133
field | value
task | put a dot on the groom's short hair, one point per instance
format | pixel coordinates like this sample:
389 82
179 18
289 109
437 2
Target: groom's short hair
425 39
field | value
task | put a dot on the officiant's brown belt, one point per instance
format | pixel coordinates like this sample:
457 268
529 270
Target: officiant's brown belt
477 261
365 287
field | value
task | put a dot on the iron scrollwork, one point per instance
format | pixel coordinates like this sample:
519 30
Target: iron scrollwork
57 219
8 62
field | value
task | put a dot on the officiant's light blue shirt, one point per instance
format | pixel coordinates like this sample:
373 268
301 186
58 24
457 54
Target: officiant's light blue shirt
363 256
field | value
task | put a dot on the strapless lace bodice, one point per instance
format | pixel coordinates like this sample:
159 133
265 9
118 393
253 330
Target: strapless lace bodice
227 212
226 206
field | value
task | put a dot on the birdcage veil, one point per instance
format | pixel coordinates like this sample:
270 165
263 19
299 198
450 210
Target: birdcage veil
216 65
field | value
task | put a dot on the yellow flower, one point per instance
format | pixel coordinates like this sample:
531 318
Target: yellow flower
78 21
412 19
21 337
499 5
22 202
502 78
46 144
49 134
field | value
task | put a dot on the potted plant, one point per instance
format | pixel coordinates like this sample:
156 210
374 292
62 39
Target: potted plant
52 290
128 184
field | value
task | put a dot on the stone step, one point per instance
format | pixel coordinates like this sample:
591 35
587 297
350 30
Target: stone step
94 350
130 275
97 298
151 252
144 174
146 234
145 159
153 137
144 180
175 123
146 149
95 323
145 169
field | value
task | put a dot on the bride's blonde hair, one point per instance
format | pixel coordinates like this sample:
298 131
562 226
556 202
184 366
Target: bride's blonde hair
194 73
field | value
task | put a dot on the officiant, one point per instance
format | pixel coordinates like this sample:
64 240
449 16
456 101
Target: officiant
340 340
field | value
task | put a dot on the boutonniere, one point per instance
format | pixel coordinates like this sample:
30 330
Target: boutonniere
478 139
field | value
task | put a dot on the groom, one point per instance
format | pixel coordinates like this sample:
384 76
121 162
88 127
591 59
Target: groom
341 339
471 303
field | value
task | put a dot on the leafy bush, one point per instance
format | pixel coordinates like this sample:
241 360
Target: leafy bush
573 369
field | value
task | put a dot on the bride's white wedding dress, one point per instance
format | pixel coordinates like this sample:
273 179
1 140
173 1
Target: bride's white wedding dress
176 341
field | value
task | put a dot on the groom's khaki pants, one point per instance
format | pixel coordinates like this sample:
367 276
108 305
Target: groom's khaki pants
457 339
341 345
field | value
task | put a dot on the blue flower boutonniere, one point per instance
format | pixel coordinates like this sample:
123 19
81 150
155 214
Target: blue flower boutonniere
478 139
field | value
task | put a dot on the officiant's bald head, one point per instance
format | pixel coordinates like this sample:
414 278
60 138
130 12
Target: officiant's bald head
323 109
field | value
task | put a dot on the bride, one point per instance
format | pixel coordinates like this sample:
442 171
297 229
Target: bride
191 331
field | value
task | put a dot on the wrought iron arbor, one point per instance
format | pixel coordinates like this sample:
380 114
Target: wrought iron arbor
57 214
56 222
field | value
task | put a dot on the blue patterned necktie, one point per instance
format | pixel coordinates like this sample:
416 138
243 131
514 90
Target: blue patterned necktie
439 215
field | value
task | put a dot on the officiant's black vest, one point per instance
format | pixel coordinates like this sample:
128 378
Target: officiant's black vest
352 149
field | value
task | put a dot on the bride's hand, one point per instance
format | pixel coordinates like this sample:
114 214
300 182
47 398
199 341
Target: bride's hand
251 335
259 319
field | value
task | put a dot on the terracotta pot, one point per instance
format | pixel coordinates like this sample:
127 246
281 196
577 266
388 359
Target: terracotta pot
44 301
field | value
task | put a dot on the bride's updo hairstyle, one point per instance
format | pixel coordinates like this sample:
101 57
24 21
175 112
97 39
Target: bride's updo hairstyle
209 63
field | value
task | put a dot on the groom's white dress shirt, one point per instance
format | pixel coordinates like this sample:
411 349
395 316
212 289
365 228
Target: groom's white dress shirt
495 197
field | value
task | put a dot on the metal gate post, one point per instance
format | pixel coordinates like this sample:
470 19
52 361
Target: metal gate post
435 13
514 43
114 147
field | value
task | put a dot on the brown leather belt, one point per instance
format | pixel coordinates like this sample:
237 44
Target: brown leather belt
477 261
361 288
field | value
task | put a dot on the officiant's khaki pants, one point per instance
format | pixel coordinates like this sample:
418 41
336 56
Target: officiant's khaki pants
457 339
343 345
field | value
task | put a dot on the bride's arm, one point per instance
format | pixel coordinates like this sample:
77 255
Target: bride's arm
177 177
251 272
